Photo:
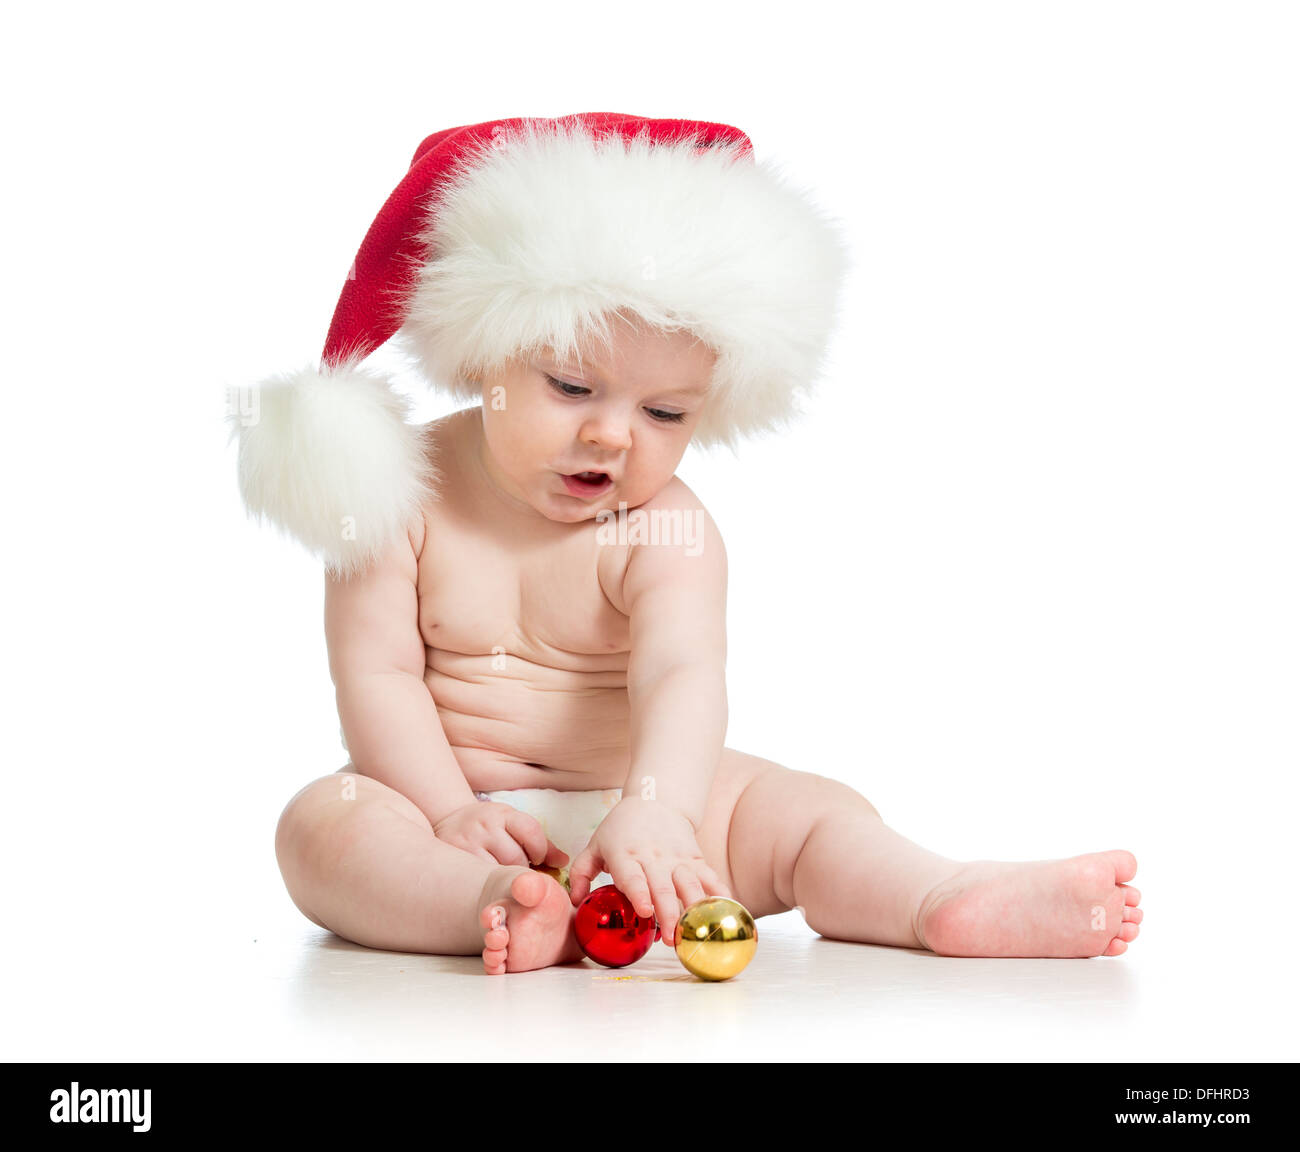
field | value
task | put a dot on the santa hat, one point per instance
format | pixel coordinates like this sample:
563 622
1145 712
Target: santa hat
514 235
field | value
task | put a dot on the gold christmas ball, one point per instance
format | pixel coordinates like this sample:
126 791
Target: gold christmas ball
716 938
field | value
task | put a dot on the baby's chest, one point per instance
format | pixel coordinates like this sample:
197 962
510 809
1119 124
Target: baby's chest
479 597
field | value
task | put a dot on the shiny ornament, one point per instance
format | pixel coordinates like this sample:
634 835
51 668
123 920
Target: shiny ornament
716 938
609 930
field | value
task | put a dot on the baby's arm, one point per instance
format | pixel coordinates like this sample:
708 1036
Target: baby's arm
676 683
676 677
377 661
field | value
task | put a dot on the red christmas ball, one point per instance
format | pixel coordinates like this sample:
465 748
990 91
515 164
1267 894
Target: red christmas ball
609 930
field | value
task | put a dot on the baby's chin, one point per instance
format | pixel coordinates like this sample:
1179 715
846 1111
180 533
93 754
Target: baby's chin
602 509
609 504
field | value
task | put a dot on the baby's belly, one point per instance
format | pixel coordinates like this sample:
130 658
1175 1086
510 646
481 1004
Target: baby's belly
524 725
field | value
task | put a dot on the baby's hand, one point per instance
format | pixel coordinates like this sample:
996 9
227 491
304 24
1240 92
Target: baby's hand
650 852
499 833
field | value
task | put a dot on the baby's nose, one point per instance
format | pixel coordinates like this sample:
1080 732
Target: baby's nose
608 432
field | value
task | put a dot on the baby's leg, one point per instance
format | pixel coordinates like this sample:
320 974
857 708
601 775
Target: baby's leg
361 860
798 840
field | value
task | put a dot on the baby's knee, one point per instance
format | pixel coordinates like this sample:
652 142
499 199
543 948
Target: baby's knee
319 819
816 797
326 829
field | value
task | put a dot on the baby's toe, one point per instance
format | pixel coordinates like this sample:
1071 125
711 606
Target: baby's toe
1128 932
529 888
496 938
1132 896
493 916
1133 914
494 961
1115 948
1125 863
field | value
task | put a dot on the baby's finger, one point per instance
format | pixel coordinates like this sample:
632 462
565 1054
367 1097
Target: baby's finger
527 831
689 887
582 871
556 857
476 850
630 880
712 885
505 848
664 894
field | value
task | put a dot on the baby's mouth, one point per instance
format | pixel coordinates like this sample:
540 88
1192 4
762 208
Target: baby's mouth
587 483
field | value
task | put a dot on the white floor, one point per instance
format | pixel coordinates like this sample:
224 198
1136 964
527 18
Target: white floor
269 985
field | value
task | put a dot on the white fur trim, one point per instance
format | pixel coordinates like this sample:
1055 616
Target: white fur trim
539 238
329 458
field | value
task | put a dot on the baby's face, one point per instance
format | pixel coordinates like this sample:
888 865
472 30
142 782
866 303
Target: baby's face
629 415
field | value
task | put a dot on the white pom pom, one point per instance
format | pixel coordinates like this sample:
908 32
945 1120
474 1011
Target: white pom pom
329 458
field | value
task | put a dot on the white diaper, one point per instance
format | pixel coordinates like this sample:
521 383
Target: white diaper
567 818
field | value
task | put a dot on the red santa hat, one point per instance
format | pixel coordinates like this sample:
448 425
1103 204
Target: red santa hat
514 235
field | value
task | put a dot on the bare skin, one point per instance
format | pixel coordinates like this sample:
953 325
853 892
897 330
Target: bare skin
524 617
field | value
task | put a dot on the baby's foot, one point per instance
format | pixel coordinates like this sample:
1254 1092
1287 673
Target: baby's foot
1075 907
527 922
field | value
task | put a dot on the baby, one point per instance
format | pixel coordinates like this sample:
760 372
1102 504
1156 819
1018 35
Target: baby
525 607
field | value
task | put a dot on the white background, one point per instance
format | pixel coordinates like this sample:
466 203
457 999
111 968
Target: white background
1025 575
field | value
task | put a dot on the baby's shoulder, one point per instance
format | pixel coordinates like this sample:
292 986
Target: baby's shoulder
678 502
674 523
445 434
441 440
676 494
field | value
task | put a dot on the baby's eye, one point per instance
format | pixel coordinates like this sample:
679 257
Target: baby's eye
566 389
667 417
